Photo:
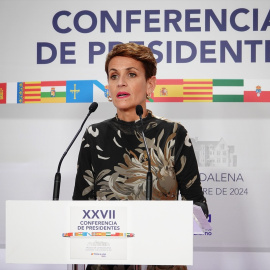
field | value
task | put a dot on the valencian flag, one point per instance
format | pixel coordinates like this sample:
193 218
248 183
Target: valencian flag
228 90
79 91
29 92
53 92
168 90
197 90
3 93
257 90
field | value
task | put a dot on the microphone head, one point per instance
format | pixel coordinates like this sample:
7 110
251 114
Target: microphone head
93 107
139 110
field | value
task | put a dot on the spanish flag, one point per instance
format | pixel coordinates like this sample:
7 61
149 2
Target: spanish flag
197 90
168 90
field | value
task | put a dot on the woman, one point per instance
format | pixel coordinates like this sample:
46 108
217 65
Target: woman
113 164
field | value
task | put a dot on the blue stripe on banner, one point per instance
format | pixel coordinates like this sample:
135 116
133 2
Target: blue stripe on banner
20 92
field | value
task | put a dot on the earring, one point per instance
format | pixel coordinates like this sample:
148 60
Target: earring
109 99
148 96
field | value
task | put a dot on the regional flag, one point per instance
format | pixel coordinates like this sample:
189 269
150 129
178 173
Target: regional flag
53 92
257 90
79 91
12 92
31 92
228 90
20 92
3 93
251 96
168 90
197 90
100 92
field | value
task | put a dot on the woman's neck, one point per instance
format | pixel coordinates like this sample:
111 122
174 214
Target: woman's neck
130 116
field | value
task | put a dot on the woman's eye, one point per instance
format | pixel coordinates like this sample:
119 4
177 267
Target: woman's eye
132 75
113 77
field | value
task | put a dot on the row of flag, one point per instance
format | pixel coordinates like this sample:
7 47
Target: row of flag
53 92
70 234
212 90
167 90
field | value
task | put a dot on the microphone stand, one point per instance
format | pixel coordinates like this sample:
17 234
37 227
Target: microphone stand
57 178
149 177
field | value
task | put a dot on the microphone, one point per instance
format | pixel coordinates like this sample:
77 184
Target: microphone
139 112
57 178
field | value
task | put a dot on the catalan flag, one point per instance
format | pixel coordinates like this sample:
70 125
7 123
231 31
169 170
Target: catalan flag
3 93
168 90
197 90
53 92
228 90
31 92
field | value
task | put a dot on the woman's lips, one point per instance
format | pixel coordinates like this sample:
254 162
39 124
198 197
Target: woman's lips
122 94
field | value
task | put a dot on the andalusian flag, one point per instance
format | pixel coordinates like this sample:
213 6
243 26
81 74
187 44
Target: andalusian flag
31 92
53 92
228 90
197 90
257 90
168 90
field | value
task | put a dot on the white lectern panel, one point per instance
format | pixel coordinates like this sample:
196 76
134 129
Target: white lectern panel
163 231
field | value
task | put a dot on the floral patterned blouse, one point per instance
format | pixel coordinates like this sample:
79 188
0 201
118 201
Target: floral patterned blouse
112 163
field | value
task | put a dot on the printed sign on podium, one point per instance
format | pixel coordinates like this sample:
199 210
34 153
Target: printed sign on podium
100 232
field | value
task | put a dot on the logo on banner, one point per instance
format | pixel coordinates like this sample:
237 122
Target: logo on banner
209 232
101 232
214 153
52 92
163 92
258 90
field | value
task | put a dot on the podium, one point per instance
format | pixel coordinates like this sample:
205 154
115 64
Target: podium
99 232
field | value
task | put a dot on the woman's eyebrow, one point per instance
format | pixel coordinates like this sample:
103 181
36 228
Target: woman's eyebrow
129 68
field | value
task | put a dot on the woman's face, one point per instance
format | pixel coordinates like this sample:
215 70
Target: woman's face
127 84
